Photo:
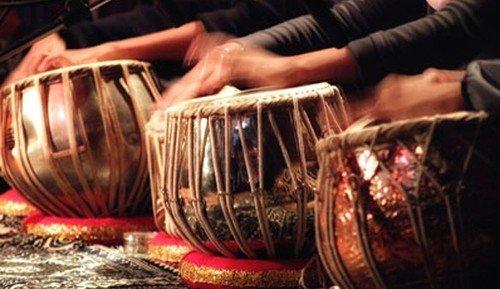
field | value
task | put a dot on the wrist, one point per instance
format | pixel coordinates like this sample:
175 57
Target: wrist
330 64
303 69
232 46
110 51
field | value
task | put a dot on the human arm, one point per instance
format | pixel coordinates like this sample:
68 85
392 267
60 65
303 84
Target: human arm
399 96
141 20
444 39
481 85
350 19
169 44
37 53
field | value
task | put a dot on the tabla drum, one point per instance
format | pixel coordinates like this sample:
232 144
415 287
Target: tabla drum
72 139
412 204
236 174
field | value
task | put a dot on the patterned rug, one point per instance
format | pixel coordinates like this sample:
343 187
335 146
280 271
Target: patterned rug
33 262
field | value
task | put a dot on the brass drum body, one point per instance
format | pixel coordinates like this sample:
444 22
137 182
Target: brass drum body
412 204
236 175
72 139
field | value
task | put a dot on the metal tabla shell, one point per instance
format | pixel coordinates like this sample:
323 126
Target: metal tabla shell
72 138
236 174
411 204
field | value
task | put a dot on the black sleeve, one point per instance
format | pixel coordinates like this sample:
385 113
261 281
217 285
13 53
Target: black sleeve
237 17
350 19
481 85
444 39
139 21
247 16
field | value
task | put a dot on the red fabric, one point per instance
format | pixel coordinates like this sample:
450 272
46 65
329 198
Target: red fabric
146 222
253 265
231 264
13 196
163 239
215 286
210 286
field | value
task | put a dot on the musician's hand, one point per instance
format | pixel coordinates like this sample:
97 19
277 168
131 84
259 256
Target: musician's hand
52 44
76 56
233 64
401 96
203 44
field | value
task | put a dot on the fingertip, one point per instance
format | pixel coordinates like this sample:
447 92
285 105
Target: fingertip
47 64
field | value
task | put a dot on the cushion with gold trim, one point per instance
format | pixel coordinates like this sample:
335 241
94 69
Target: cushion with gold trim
105 231
13 204
168 249
200 270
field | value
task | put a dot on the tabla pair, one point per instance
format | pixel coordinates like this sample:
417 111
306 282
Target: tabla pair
236 175
409 204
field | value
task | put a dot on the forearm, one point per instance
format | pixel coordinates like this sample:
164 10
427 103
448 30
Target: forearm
350 19
328 64
295 36
142 20
169 44
445 39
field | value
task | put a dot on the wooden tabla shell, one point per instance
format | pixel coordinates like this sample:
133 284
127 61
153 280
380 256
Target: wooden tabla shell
203 151
72 138
411 204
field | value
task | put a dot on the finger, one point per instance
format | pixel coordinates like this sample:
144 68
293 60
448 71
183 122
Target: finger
453 75
32 66
193 52
199 48
441 75
203 45
214 82
185 85
211 86
53 63
177 93
383 115
189 85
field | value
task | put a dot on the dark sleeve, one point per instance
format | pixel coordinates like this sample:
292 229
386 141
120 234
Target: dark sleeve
444 39
187 10
247 16
349 20
481 85
139 21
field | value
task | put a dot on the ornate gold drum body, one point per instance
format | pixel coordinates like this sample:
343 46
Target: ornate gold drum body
412 204
236 175
72 139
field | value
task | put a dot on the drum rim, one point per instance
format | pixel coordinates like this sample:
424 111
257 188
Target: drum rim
77 69
387 131
249 100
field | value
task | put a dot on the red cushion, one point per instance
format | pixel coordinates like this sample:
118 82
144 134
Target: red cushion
14 196
200 270
13 204
168 249
107 231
